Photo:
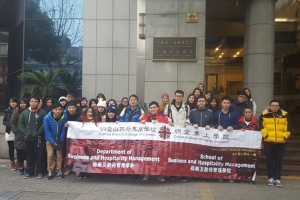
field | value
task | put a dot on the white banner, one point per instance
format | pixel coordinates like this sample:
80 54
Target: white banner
164 132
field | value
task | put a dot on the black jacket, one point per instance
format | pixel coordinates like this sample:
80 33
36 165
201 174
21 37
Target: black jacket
202 117
6 119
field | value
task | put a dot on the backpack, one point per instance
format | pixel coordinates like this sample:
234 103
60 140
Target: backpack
170 112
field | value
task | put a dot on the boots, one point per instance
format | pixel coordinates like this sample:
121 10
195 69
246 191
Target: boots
13 166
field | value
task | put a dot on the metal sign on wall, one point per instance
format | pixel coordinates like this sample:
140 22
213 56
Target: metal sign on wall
175 48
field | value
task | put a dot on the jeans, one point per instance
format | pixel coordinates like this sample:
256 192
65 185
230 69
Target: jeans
275 153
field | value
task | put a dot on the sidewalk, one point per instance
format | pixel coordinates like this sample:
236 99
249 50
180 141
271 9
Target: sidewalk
13 186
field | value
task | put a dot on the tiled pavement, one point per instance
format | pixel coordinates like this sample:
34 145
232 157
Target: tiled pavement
13 186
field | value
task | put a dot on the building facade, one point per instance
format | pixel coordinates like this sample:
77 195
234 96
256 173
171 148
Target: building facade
240 43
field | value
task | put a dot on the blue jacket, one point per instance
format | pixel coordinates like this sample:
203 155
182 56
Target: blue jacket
53 128
225 120
127 115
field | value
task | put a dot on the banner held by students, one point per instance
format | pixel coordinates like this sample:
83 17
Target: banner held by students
159 149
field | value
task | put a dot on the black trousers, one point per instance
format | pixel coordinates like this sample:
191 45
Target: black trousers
21 156
36 157
274 152
11 150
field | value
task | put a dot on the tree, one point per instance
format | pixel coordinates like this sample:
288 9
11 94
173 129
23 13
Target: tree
41 43
66 16
40 83
71 82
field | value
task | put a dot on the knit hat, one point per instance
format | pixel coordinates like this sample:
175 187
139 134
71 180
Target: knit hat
112 108
101 104
164 94
62 98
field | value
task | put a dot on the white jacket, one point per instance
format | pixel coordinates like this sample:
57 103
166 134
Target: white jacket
179 117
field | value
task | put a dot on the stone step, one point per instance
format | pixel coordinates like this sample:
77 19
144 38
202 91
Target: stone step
287 160
290 151
287 170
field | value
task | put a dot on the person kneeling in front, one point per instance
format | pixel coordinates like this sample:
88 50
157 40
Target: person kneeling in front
154 115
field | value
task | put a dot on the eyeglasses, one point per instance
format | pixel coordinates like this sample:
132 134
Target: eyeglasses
242 97
202 101
247 112
275 106
178 96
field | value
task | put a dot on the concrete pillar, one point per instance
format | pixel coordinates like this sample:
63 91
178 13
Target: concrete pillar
259 51
168 19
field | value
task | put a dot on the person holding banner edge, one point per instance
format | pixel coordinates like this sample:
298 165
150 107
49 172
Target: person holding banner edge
274 127
154 115
249 122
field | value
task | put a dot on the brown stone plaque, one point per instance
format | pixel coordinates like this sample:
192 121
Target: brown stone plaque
175 48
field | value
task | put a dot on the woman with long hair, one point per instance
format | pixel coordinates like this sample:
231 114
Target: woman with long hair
250 101
201 87
213 104
164 102
9 136
19 142
191 101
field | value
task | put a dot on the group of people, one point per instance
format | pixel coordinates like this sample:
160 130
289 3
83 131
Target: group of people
40 127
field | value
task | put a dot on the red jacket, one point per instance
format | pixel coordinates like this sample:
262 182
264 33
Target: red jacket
159 117
253 125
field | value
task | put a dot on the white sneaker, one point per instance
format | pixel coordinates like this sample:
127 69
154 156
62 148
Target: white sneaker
161 179
231 181
146 178
220 180
271 182
278 183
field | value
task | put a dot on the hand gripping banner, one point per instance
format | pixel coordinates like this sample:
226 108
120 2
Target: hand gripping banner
159 149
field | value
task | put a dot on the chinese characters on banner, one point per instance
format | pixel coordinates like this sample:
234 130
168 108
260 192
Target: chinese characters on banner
159 149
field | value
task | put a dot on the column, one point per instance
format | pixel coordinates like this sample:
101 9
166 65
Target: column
259 50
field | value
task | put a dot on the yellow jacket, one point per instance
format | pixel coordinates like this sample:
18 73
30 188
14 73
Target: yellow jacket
275 126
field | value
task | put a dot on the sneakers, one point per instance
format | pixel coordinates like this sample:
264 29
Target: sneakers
160 179
27 176
172 178
83 175
60 174
278 183
271 182
67 172
80 175
13 166
40 176
21 171
231 181
183 179
50 175
220 180
146 178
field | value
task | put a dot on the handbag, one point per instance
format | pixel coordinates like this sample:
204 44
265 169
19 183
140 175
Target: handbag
9 136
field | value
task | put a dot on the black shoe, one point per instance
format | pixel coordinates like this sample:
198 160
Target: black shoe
135 176
172 178
195 179
50 175
80 176
183 179
86 175
60 174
